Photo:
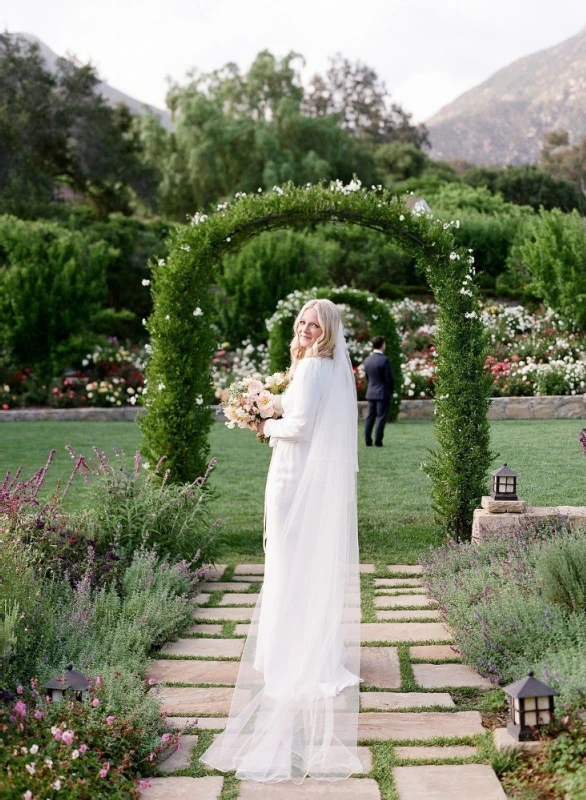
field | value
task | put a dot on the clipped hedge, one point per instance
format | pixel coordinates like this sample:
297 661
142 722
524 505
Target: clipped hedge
183 339
376 312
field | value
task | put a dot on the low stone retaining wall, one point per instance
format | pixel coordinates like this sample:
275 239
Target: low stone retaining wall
502 408
486 524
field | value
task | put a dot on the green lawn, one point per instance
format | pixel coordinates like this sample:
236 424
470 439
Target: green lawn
395 519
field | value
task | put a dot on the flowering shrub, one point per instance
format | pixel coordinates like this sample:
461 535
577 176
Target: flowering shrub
71 749
492 593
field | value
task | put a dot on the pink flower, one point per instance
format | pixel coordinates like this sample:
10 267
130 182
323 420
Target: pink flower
253 386
110 720
151 757
105 769
142 784
38 714
19 689
152 681
95 702
265 403
165 737
20 708
67 736
57 733
82 748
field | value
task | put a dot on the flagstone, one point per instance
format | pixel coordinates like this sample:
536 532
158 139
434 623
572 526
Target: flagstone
223 613
225 586
396 591
367 569
186 671
379 666
390 701
432 676
433 753
201 598
448 782
180 788
228 648
191 700
406 569
310 789
397 582
251 578
406 614
181 758
419 725
436 652
238 598
404 632
403 601
241 630
210 629
249 569
203 723
215 572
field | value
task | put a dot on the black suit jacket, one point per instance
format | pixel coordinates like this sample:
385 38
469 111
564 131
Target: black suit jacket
380 377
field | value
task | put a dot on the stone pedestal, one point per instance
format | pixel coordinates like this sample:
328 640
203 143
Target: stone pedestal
504 741
485 523
503 506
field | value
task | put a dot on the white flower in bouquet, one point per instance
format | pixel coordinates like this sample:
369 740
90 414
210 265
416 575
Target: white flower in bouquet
253 399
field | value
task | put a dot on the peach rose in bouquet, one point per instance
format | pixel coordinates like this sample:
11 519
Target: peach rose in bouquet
253 399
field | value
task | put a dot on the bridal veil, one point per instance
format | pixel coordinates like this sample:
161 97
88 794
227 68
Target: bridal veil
294 710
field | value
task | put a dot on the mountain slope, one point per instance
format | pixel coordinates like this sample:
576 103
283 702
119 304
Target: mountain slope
111 95
504 119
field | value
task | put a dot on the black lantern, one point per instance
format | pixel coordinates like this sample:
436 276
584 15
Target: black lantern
530 706
504 484
69 684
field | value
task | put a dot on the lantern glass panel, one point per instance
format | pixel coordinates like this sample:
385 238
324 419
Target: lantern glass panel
531 718
530 704
516 703
510 484
543 702
544 717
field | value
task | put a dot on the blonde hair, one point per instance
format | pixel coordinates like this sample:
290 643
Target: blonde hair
328 316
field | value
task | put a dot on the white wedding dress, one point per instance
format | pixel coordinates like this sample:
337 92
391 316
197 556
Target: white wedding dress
294 710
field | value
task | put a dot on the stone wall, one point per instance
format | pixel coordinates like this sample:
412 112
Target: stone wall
502 408
486 524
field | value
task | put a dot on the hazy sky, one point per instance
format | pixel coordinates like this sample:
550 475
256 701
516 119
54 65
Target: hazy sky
427 51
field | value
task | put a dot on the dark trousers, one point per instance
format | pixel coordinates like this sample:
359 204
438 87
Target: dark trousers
377 411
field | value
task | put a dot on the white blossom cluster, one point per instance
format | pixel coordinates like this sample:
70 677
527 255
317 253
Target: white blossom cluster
242 362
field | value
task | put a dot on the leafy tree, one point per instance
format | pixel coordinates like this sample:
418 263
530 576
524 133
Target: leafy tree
398 161
360 98
57 132
555 256
528 185
562 160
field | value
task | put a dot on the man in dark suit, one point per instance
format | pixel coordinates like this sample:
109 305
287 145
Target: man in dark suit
380 390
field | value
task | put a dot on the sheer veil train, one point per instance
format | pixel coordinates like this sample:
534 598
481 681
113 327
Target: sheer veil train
294 710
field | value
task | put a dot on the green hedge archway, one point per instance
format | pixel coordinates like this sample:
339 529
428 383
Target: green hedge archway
376 311
177 421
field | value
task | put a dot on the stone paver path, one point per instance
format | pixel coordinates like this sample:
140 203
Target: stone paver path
409 703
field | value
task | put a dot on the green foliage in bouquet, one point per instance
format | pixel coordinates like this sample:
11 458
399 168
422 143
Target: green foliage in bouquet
377 313
183 337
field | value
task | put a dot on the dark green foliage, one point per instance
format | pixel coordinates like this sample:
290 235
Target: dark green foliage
528 185
554 254
177 422
57 134
52 294
268 268
376 312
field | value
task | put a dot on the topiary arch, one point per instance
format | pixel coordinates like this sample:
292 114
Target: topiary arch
183 339
376 311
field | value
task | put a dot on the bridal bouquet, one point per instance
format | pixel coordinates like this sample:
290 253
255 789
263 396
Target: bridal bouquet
253 399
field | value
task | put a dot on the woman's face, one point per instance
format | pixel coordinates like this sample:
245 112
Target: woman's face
308 328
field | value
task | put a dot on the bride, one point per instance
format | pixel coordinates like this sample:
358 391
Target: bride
294 711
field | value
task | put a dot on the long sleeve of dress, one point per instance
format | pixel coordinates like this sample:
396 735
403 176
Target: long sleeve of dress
299 421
